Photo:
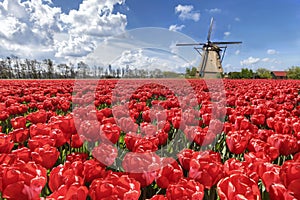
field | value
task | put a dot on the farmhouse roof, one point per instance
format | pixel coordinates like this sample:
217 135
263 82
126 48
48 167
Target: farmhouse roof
279 73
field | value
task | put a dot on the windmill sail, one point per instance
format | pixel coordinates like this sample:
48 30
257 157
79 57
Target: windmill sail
211 62
210 29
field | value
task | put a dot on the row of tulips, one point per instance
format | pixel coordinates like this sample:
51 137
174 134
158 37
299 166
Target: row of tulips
150 139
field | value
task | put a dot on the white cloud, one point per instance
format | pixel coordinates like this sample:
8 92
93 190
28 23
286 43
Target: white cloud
271 51
214 10
226 34
176 27
265 59
48 1
27 27
150 59
231 68
237 19
162 43
237 52
34 28
186 12
250 61
90 24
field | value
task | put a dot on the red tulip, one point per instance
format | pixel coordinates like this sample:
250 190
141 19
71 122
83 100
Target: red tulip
162 136
18 122
257 158
206 118
93 169
287 144
269 173
46 156
148 129
281 127
110 132
184 157
189 117
170 173
258 119
263 134
127 125
177 122
296 127
185 189
23 154
39 141
233 166
47 105
6 144
118 112
39 129
67 125
164 125
77 156
114 187
3 115
201 136
290 176
146 116
90 129
297 157
237 141
137 143
279 192
65 174
142 166
206 167
65 106
105 154
59 137
257 145
158 197
107 112
238 186
37 117
23 180
19 135
69 193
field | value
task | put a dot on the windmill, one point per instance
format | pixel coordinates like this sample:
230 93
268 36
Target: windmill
211 62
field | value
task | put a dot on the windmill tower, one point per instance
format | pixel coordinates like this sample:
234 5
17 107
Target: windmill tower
211 62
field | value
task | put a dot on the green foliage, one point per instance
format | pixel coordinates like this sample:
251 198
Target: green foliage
294 72
246 73
234 75
191 72
263 73
170 74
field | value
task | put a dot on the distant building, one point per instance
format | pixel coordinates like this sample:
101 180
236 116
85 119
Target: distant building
279 74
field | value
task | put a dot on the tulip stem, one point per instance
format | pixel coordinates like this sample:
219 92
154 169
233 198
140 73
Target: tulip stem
210 194
158 191
283 159
279 161
143 195
45 191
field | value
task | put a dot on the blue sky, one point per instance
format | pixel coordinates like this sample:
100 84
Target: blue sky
73 30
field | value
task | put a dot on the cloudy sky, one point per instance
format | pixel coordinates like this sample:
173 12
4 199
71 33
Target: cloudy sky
143 33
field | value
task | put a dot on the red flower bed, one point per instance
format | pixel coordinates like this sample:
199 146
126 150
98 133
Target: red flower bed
149 139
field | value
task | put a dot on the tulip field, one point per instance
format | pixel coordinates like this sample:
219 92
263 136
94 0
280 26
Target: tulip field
157 139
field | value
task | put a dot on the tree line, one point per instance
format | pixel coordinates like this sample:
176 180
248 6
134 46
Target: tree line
16 68
245 73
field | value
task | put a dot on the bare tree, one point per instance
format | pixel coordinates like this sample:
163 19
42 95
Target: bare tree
50 68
